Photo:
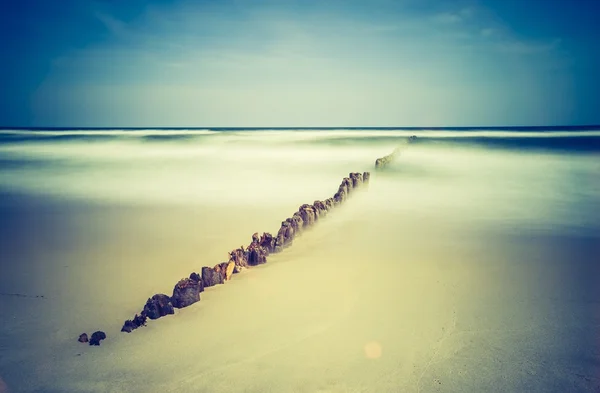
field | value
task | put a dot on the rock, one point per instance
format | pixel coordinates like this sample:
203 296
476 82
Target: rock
158 306
307 212
210 277
257 255
225 269
282 241
198 278
220 268
366 177
267 242
357 179
140 320
330 203
293 221
285 236
97 337
83 338
229 270
340 196
297 222
384 161
290 232
238 257
131 325
186 292
343 189
349 184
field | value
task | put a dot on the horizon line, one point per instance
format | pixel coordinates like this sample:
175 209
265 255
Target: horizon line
223 128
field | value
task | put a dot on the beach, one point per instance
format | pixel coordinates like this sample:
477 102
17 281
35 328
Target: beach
465 265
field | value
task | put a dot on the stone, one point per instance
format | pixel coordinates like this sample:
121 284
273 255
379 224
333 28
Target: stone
279 238
357 179
308 215
210 277
297 222
340 196
186 292
131 325
158 306
282 240
366 177
329 202
257 255
83 338
229 270
384 161
294 226
225 269
267 242
239 257
198 278
97 337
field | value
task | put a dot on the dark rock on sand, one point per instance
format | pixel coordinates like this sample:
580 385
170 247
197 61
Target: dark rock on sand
340 196
384 161
225 269
285 236
308 214
297 222
97 337
256 255
83 338
321 208
239 257
186 292
330 203
267 242
357 179
198 278
129 326
138 321
210 277
158 306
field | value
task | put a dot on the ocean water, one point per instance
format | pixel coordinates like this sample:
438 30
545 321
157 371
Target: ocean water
472 263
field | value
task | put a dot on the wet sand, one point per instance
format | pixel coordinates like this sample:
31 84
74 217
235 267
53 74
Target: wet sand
367 301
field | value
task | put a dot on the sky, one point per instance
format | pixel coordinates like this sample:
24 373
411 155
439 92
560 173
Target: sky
309 63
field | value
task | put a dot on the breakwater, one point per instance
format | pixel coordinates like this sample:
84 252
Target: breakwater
187 291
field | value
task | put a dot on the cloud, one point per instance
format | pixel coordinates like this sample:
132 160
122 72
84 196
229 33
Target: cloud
266 65
447 18
454 17
528 48
113 25
487 32
467 12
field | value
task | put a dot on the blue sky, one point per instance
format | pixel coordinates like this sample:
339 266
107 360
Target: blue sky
299 63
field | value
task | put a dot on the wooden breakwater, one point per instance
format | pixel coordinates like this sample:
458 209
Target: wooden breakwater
187 291
382 162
